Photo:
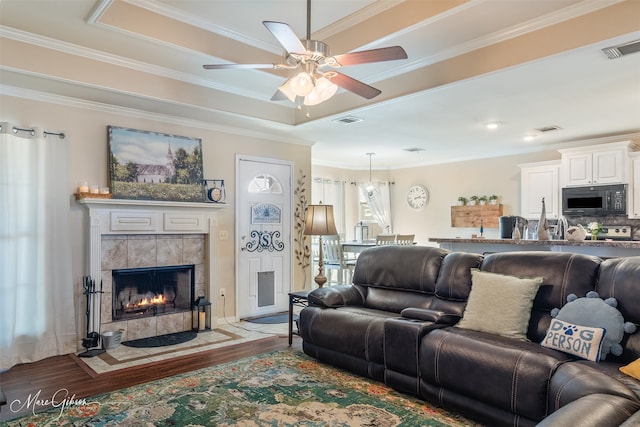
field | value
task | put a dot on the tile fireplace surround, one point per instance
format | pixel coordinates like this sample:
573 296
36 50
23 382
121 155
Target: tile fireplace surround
140 233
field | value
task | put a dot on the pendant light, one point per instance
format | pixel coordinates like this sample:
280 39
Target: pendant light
370 186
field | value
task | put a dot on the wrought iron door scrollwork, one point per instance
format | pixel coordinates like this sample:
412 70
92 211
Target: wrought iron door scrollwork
265 241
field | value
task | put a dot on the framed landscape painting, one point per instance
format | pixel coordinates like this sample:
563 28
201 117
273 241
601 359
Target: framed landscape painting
154 166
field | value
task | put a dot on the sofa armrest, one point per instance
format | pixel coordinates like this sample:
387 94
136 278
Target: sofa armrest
594 410
435 316
402 338
336 296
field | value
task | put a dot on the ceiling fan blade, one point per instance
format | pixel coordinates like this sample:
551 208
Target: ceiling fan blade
355 86
374 55
236 66
285 35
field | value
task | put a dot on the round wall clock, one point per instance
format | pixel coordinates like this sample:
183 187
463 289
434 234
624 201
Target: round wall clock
215 190
417 197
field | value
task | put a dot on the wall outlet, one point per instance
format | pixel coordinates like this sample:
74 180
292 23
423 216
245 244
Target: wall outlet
222 292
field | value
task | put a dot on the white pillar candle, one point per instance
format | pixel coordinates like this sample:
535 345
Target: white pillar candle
201 321
83 187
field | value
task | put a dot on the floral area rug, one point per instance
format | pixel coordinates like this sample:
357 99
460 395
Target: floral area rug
282 388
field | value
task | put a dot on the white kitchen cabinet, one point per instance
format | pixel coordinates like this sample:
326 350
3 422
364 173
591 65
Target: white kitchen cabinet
538 180
598 164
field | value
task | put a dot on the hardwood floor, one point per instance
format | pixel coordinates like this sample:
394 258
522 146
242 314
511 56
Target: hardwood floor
68 372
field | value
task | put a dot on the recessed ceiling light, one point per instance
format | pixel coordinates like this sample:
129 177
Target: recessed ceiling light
493 125
530 137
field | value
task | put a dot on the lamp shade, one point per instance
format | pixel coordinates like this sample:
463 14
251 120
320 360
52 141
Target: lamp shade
319 221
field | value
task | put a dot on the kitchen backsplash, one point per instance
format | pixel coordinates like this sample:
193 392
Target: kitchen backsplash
604 220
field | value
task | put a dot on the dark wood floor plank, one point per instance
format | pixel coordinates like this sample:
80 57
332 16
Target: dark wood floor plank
68 372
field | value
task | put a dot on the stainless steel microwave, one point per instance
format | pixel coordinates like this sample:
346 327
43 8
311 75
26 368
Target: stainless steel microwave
596 200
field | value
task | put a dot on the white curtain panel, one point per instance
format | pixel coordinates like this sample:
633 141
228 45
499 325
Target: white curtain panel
378 199
331 192
36 286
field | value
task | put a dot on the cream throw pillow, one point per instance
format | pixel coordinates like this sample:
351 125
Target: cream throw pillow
500 304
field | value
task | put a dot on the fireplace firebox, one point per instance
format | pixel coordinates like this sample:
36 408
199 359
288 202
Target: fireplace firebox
152 291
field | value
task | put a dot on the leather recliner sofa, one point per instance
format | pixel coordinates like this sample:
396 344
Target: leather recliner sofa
396 323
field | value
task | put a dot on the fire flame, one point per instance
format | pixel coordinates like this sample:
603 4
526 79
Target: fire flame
159 299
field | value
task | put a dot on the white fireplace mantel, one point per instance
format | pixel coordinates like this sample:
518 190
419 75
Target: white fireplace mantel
119 216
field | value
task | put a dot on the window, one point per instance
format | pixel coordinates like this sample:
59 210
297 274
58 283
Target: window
265 184
330 192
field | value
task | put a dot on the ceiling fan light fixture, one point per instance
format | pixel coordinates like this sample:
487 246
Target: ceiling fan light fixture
322 91
301 84
313 98
286 90
325 88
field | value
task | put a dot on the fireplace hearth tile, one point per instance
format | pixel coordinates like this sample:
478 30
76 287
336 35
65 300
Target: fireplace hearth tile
106 316
117 252
142 251
193 250
113 253
221 336
199 279
170 323
170 250
142 328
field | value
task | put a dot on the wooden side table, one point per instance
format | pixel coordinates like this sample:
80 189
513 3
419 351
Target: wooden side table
300 299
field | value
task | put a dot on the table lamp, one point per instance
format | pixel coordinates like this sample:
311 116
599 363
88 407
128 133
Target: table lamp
320 222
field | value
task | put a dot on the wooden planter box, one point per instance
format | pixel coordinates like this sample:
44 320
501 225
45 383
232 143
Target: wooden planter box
473 216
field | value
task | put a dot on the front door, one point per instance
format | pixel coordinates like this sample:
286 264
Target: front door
263 215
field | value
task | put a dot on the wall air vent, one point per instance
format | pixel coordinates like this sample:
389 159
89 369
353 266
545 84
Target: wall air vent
619 51
551 128
348 120
413 149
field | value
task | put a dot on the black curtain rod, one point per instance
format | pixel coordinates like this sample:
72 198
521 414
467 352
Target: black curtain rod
365 182
32 131
60 134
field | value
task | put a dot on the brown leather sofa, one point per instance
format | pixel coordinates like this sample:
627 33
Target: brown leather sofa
396 324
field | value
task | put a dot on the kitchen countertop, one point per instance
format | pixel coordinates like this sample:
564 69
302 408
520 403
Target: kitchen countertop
630 244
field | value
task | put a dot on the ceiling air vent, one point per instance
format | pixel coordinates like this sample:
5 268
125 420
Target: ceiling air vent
348 120
619 51
548 129
413 149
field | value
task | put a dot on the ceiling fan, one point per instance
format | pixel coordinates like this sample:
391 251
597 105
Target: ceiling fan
314 78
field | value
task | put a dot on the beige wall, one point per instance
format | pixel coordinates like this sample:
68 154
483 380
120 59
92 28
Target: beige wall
87 132
446 182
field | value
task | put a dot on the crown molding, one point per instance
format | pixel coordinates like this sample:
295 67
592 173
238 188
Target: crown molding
95 55
40 96
532 25
196 21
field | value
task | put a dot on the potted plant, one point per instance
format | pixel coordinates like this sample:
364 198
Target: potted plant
493 199
482 200
473 200
594 228
462 201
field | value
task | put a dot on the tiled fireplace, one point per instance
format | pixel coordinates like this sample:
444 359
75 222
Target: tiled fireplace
163 252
